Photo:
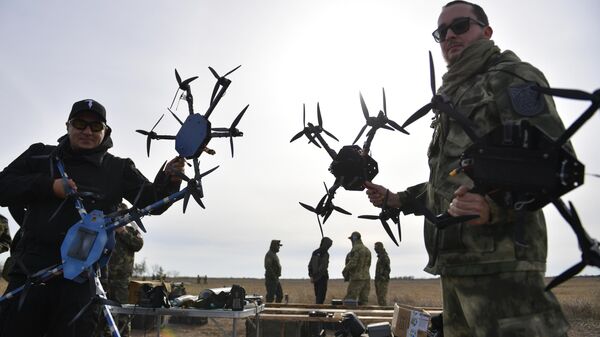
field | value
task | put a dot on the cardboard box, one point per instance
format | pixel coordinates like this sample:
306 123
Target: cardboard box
409 321
134 289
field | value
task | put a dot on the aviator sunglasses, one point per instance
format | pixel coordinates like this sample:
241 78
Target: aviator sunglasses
458 26
80 124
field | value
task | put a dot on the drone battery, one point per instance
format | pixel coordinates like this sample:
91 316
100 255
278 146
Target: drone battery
238 297
383 329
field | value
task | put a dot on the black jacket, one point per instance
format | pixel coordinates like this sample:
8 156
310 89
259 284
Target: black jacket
28 180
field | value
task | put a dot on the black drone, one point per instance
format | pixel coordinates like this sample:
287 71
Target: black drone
352 165
520 167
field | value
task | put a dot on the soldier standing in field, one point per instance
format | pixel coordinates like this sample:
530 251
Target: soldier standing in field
382 273
120 268
317 269
356 271
273 272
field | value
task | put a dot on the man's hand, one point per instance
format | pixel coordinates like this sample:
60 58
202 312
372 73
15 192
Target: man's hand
376 194
466 203
58 187
175 168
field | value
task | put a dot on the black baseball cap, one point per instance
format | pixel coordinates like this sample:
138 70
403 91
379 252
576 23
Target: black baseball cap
88 105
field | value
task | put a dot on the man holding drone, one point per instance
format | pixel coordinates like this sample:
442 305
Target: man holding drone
96 177
492 267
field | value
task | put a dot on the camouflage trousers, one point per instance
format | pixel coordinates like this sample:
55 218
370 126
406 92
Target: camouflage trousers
359 289
381 289
274 290
512 304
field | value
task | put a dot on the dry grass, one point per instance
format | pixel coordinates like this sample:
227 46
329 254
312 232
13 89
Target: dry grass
579 297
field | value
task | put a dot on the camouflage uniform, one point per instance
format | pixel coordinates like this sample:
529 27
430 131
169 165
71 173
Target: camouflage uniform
358 262
317 269
120 269
4 235
5 243
486 276
272 273
382 273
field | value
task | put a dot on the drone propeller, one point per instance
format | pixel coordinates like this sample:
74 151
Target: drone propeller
320 120
590 249
134 212
389 121
94 298
223 82
233 131
312 209
194 187
307 130
377 122
385 214
151 134
443 104
594 98
365 111
326 204
182 85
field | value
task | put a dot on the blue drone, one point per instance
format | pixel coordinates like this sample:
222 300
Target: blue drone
89 243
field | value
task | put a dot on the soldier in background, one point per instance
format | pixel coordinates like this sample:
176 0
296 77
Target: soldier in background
382 273
317 269
5 242
273 272
358 262
4 235
128 241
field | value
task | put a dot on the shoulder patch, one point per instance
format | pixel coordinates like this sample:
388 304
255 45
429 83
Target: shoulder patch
525 101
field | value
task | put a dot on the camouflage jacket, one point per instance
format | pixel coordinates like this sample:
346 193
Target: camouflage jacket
272 265
120 265
4 235
358 262
481 90
382 268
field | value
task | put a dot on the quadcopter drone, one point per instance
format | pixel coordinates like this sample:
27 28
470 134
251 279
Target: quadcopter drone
89 243
352 165
518 166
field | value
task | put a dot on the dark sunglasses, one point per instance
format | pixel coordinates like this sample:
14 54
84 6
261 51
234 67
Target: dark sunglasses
458 26
80 124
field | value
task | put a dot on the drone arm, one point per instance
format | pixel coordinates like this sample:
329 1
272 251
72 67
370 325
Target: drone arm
218 96
330 151
134 180
367 144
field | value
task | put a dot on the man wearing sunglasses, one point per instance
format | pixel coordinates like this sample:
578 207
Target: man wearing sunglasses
492 285
33 181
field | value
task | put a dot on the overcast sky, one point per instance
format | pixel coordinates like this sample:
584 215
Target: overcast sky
123 54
